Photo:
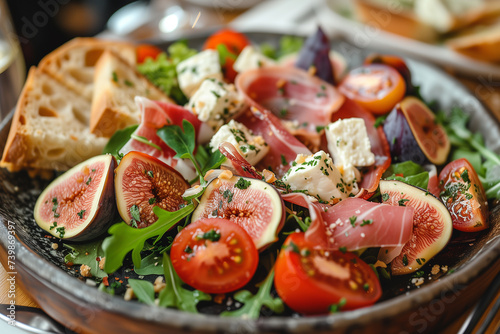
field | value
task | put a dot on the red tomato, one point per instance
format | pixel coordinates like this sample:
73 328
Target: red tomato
145 51
214 255
464 196
310 280
376 87
395 62
234 42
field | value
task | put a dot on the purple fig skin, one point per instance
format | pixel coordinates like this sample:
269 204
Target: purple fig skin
315 52
402 143
106 212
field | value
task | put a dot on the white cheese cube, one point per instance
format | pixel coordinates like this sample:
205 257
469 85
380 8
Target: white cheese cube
192 71
252 148
348 143
215 102
350 177
316 175
250 58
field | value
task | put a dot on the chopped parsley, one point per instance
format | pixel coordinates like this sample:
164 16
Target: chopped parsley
152 201
366 222
405 260
227 194
211 235
135 213
385 197
150 173
353 220
54 225
61 231
88 181
283 160
242 183
217 95
81 213
334 308
114 76
128 83
465 176
188 250
402 201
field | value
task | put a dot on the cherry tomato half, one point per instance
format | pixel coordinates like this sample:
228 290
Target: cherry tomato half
464 196
145 51
214 255
395 62
310 280
376 87
234 42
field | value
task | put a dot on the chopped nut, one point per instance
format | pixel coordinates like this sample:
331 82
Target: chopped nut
102 261
159 284
444 268
227 174
129 294
418 281
85 271
435 269
269 176
55 246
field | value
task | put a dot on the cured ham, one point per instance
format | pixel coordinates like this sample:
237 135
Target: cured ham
379 146
284 147
355 223
302 102
155 115
239 164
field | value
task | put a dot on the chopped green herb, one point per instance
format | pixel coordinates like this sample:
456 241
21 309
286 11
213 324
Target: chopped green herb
337 307
366 222
405 260
402 201
385 197
343 249
81 213
283 160
152 201
188 250
211 235
114 76
88 181
150 173
353 220
242 183
128 83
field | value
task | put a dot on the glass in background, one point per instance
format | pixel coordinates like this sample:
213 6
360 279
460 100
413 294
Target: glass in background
12 68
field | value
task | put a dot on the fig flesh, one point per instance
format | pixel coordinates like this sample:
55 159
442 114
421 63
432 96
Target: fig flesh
432 225
252 204
414 135
143 182
79 205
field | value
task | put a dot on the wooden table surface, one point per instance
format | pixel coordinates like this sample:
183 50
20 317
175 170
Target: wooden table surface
483 87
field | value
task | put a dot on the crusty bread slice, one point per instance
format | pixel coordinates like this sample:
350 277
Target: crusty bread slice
116 83
73 63
49 129
481 44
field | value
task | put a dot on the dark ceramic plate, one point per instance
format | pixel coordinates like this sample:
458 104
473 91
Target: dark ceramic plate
470 258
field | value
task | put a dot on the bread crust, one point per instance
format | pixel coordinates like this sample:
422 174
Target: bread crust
116 84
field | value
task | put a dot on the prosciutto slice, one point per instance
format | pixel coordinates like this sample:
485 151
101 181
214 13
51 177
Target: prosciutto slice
155 115
355 223
239 164
284 147
301 101
379 145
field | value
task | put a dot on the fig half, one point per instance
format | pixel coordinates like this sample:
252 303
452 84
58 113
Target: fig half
143 182
253 204
432 224
79 205
413 133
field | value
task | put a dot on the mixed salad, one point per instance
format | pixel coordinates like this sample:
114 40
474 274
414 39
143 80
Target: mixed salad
279 182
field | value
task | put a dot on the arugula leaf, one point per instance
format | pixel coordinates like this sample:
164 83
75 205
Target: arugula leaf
253 303
287 45
406 168
143 290
87 254
466 144
150 265
214 161
118 140
175 295
125 238
420 180
224 54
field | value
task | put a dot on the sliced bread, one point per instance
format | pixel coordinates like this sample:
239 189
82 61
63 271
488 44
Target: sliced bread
116 84
73 63
50 127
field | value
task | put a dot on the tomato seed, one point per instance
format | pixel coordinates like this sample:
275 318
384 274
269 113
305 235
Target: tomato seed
237 259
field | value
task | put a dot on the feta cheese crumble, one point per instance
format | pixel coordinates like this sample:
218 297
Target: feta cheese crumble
348 143
215 102
250 58
252 148
194 70
316 175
